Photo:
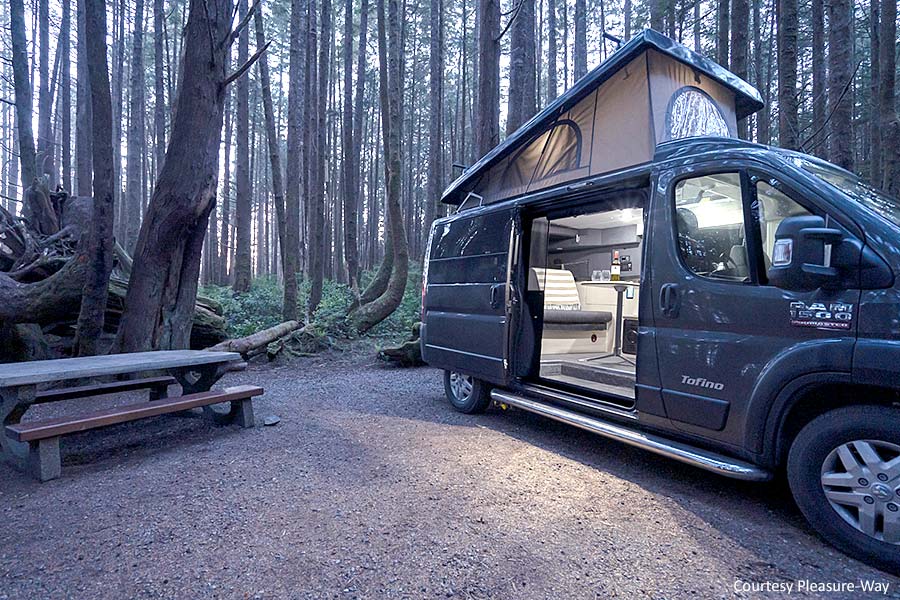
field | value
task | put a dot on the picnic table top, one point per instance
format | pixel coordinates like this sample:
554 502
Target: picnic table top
45 371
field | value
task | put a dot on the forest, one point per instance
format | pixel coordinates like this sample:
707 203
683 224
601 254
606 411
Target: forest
175 173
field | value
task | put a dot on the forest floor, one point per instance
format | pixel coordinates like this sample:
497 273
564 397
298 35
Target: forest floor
372 487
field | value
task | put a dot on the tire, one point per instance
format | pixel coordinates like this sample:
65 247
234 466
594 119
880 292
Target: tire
467 394
854 454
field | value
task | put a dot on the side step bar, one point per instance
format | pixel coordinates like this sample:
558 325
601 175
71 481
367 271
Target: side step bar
704 459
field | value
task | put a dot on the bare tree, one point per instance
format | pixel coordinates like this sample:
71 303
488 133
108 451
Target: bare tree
740 17
580 55
351 155
83 162
65 104
22 84
818 62
159 100
98 245
45 98
552 79
890 167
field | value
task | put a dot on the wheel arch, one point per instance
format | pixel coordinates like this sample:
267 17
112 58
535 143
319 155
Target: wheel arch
810 396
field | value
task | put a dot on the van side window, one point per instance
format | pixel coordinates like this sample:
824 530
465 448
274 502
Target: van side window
774 207
709 218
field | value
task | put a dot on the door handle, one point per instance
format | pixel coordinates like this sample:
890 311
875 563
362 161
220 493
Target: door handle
498 291
668 300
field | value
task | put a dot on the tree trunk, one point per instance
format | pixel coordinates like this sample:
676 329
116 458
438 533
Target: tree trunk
83 163
435 176
98 245
487 113
159 108
369 315
722 27
359 103
163 284
134 188
740 18
580 56
657 14
225 253
552 78
787 74
65 39
627 25
243 203
351 155
317 189
522 101
890 123
45 99
291 224
22 84
840 74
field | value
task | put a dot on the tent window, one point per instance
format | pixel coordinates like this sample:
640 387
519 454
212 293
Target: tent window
563 150
692 113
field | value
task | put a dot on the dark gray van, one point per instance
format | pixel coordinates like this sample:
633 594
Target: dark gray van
623 263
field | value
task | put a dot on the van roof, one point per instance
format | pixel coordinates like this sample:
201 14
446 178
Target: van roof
747 100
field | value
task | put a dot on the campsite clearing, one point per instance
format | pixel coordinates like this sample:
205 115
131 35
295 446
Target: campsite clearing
371 486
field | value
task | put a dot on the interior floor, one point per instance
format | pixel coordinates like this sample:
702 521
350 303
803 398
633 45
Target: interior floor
605 374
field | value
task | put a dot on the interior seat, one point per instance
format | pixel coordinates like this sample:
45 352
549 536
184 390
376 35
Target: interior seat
562 305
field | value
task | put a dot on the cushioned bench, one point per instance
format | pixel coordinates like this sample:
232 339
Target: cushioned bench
43 436
568 328
577 319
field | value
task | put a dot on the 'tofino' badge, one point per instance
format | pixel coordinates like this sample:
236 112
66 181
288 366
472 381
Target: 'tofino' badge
819 315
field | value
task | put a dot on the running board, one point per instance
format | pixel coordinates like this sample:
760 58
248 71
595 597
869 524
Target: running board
703 459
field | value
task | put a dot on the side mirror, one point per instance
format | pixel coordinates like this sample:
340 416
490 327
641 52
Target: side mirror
801 257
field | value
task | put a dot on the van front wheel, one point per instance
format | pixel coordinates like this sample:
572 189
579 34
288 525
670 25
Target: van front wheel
467 394
844 472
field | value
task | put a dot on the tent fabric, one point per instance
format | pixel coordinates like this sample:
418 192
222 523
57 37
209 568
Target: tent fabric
663 91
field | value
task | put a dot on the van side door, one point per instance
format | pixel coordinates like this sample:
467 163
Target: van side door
724 334
467 295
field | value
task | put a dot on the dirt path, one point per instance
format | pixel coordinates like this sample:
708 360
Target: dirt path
372 487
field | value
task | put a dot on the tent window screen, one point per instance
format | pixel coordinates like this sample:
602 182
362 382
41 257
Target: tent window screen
563 150
692 113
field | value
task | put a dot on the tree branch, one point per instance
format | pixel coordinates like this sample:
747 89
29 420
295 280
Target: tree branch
243 24
245 67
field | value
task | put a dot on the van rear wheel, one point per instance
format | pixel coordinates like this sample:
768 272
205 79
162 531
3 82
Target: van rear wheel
844 472
467 394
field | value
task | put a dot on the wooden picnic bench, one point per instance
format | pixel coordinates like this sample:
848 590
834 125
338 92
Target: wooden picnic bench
34 445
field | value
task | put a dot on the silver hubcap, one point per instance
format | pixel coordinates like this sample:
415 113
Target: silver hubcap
861 480
461 386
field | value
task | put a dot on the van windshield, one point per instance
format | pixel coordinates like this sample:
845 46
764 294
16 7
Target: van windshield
854 188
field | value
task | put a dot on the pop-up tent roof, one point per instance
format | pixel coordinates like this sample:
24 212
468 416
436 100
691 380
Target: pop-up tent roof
650 91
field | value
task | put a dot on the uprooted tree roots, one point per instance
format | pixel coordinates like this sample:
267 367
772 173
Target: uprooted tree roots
42 275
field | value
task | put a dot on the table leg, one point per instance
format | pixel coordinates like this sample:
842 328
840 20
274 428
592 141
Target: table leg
14 401
201 379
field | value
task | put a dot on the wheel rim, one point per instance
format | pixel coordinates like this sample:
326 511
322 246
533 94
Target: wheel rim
861 481
461 386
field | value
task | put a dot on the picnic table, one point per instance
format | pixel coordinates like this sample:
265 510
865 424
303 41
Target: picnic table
34 445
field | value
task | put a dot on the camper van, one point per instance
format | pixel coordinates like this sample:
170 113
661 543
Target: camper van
625 264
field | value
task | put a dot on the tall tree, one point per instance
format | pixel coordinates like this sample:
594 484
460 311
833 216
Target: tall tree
740 18
522 63
887 103
818 65
390 88
163 287
552 53
22 85
487 114
45 99
351 150
159 99
99 243
658 9
134 184
243 202
840 81
291 249
722 27
580 50
65 38
83 160
358 132
787 74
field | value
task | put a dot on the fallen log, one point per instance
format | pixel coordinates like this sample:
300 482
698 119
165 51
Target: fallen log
246 345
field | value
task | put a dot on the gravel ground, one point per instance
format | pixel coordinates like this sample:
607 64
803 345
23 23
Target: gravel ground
372 487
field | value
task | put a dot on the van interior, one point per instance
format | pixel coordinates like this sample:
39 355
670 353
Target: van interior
589 325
